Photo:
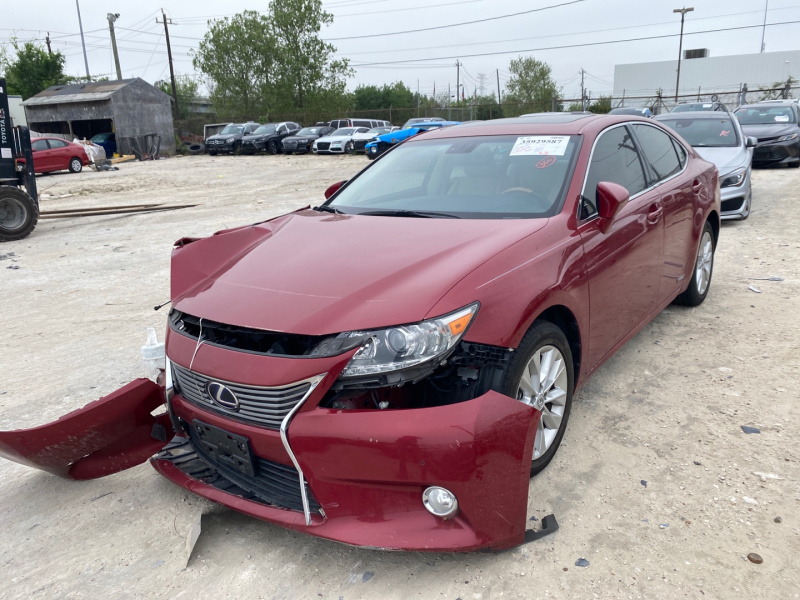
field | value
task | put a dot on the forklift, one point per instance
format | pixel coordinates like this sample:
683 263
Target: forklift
19 201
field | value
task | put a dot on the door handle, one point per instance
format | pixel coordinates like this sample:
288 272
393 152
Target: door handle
654 215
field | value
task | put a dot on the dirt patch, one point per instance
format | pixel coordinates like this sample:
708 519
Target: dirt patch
657 487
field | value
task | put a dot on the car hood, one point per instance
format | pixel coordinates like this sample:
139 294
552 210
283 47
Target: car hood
335 138
317 273
260 136
769 130
396 136
364 136
725 159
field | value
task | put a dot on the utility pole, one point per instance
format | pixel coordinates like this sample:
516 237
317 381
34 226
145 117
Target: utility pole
583 91
111 18
47 40
458 75
165 20
83 42
499 99
683 12
764 27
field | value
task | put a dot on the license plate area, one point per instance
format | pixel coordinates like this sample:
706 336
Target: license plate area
226 448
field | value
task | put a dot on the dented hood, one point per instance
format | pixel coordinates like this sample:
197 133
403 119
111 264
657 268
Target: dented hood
316 273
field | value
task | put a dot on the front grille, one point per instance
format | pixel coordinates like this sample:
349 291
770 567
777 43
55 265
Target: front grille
732 204
274 484
770 153
263 406
359 144
323 145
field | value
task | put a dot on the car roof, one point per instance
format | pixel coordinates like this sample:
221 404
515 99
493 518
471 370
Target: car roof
540 124
769 103
694 114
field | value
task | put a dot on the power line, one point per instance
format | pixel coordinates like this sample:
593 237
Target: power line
563 47
524 12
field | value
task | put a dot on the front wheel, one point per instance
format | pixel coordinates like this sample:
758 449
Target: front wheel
75 165
541 374
272 147
703 269
349 147
18 214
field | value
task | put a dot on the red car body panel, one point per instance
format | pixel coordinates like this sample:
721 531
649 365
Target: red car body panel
312 273
104 437
56 159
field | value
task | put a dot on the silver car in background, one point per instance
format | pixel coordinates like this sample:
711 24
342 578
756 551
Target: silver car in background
718 138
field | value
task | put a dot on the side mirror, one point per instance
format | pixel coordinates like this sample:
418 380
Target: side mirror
334 188
751 141
610 198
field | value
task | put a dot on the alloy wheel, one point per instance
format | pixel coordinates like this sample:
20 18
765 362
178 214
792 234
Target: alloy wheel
704 262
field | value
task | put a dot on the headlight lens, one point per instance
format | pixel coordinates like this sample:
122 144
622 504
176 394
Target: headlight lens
398 348
734 178
229 140
787 138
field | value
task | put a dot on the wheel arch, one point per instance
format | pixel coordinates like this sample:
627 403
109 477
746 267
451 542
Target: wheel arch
714 219
563 318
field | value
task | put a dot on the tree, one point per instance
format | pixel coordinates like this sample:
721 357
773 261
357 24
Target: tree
371 97
237 57
601 106
33 69
532 85
185 88
487 108
304 63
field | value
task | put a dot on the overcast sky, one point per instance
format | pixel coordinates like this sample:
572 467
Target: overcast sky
557 33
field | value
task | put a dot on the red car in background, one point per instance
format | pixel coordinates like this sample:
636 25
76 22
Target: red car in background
388 369
56 154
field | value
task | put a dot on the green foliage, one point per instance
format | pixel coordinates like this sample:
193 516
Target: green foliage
257 65
779 90
601 106
487 108
575 107
33 69
185 88
371 97
531 85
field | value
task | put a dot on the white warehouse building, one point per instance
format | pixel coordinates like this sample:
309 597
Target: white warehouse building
706 75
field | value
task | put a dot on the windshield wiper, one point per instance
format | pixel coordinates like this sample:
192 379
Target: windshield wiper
420 214
328 208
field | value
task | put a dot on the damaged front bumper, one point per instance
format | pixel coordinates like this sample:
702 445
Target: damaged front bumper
353 476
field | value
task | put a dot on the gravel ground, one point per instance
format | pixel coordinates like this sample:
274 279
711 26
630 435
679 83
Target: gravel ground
657 486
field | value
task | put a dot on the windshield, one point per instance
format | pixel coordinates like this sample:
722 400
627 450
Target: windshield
764 115
705 133
232 129
344 131
100 137
379 130
489 177
309 131
265 129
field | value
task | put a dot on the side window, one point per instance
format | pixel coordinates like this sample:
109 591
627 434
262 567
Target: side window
658 150
58 144
682 155
39 145
281 128
614 159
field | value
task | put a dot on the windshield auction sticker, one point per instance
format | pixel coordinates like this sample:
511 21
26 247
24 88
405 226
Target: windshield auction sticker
540 145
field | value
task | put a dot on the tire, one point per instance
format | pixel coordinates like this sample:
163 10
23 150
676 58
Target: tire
703 269
212 153
195 149
272 148
543 341
794 165
75 165
349 147
747 205
18 214
237 148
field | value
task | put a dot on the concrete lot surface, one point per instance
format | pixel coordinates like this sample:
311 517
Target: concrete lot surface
656 486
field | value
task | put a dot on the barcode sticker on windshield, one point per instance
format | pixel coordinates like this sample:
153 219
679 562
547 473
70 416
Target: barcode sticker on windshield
540 145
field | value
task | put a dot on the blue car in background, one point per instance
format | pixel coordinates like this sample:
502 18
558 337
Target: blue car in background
383 142
108 141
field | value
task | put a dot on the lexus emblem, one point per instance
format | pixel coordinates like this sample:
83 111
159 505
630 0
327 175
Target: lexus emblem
222 396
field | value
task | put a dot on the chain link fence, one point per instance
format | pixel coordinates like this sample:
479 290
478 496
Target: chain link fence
658 103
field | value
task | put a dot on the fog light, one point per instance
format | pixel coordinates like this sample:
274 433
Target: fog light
440 502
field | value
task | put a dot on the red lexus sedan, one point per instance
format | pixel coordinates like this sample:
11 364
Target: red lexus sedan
56 154
388 369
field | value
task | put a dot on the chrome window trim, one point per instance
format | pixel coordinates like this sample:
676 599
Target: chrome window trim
284 438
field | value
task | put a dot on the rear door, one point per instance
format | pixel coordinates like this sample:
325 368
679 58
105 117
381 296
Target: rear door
624 262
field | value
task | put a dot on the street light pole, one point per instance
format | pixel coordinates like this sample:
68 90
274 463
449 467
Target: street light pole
111 18
764 26
83 42
683 12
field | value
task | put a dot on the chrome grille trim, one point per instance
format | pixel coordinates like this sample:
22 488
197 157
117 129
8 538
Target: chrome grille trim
263 406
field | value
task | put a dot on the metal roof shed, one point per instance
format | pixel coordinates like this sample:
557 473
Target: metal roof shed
131 108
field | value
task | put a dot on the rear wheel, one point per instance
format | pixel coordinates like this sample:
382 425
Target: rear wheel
541 374
703 269
75 165
18 214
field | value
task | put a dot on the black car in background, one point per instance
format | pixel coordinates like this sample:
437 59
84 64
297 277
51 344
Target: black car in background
268 137
776 124
303 139
230 138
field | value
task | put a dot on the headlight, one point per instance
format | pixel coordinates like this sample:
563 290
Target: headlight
787 138
409 345
229 140
734 178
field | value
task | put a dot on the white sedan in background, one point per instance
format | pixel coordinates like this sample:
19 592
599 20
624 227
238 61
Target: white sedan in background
360 139
339 142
